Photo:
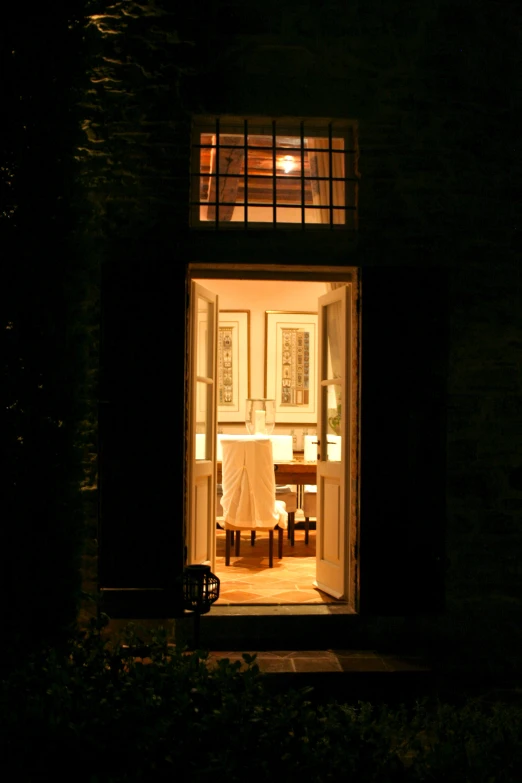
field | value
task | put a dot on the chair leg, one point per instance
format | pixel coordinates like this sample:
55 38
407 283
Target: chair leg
253 538
291 527
271 549
231 536
307 529
238 541
228 536
280 543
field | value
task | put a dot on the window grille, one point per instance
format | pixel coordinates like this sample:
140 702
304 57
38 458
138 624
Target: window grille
273 173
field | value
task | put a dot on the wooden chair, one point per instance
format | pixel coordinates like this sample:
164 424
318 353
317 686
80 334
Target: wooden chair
249 496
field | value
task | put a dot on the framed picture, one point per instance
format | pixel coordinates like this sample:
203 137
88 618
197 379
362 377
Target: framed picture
233 364
291 365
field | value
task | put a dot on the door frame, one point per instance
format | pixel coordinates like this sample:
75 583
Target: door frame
305 273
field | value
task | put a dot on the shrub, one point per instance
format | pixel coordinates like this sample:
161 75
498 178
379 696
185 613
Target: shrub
98 712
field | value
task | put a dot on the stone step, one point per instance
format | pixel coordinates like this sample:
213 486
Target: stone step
289 627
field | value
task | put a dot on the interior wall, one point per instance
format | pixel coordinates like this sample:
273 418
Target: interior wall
258 296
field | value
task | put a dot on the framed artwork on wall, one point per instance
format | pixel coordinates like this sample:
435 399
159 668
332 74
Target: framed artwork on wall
233 364
291 365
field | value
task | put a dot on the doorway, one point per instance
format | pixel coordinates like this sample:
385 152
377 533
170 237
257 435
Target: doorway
245 298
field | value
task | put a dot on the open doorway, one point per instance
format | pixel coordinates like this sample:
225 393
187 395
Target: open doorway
252 303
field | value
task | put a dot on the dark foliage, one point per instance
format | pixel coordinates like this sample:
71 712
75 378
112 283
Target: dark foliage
174 715
48 330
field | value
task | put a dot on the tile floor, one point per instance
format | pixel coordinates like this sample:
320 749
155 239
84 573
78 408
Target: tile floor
249 580
328 661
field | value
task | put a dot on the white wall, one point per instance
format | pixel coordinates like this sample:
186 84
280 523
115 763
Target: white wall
259 296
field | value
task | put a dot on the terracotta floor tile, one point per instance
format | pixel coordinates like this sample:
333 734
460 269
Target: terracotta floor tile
248 578
293 597
238 596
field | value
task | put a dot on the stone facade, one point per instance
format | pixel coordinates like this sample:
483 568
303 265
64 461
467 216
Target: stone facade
433 100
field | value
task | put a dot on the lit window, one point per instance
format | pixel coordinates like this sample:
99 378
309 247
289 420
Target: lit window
276 172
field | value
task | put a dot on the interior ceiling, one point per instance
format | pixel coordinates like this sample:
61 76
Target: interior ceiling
289 184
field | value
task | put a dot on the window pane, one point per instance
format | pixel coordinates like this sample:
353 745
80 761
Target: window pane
288 190
260 162
334 416
207 138
260 190
204 215
202 344
320 190
339 216
338 164
317 215
289 141
202 403
288 215
207 160
319 163
260 215
260 140
338 192
323 142
288 165
231 139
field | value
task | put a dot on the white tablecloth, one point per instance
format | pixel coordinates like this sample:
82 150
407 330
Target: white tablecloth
248 499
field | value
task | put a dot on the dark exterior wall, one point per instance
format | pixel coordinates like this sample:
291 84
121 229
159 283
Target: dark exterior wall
431 90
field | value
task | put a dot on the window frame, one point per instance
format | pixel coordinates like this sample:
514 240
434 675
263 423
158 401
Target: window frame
306 128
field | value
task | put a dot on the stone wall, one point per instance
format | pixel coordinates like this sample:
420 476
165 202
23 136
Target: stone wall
431 89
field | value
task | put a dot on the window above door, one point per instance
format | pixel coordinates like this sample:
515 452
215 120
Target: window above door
273 173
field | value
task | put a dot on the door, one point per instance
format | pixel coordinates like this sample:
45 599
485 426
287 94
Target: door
202 426
404 372
333 448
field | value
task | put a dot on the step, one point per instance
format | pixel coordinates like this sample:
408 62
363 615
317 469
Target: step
343 675
269 627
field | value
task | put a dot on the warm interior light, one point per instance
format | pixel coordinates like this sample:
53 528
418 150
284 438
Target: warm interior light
288 164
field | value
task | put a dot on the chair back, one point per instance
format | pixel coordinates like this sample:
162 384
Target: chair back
248 482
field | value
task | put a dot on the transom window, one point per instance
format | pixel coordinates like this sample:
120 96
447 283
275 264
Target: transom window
275 173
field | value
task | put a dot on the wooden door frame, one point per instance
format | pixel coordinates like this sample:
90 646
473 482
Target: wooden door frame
304 273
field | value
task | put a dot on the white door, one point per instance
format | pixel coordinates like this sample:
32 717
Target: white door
202 426
333 449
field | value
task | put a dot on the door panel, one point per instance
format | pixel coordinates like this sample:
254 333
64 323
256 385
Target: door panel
403 439
202 426
333 457
202 492
141 449
332 539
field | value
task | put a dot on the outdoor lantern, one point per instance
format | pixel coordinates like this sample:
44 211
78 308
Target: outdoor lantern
200 591
200 588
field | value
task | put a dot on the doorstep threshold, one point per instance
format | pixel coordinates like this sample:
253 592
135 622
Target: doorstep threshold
279 610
